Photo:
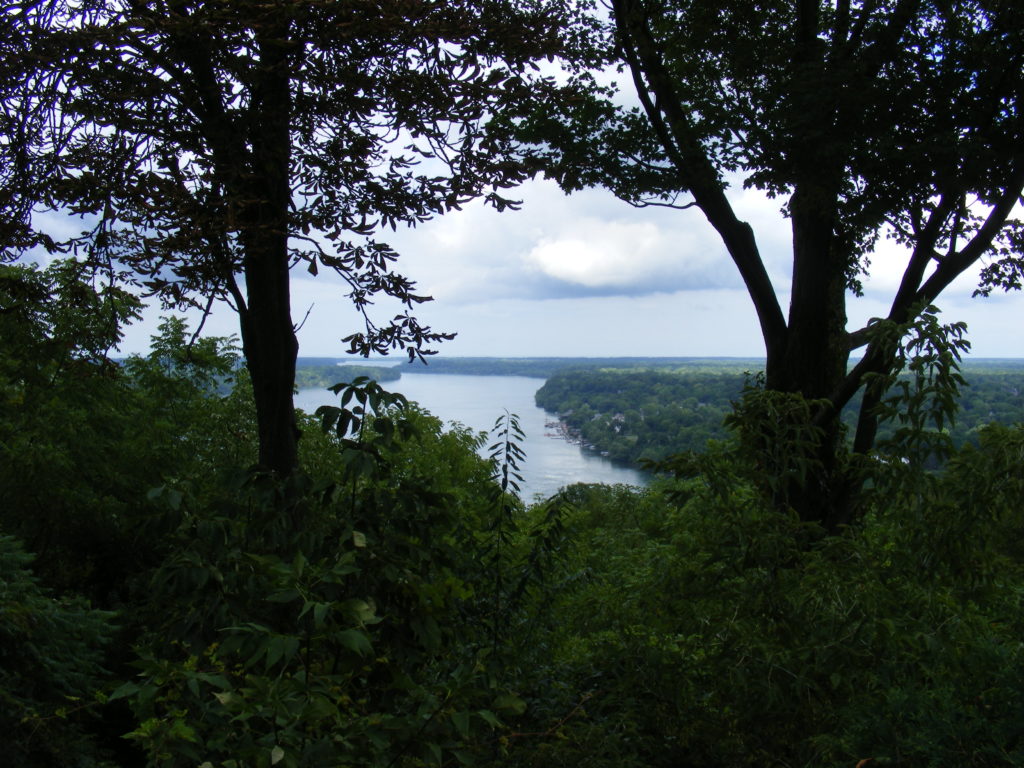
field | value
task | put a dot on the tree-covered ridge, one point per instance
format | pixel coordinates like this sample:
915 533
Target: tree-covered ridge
630 415
309 376
535 367
545 367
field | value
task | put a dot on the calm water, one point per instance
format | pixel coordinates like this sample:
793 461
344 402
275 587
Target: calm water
476 401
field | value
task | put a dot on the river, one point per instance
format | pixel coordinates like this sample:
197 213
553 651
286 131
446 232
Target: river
477 401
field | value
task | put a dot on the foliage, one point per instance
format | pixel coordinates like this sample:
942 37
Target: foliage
307 620
331 655
56 311
82 438
506 456
51 655
924 403
195 365
318 620
64 423
702 622
721 632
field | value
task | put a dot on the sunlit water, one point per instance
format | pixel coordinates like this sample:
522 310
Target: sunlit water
477 401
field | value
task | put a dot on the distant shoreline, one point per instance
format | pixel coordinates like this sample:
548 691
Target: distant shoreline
545 367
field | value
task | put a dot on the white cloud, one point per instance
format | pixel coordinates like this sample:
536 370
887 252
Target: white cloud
605 254
589 243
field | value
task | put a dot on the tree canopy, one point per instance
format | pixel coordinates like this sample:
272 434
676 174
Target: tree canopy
209 147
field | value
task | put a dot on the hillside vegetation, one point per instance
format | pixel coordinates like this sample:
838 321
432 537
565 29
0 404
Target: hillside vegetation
393 603
633 414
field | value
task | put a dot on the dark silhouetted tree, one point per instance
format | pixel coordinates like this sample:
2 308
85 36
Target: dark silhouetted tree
210 147
899 119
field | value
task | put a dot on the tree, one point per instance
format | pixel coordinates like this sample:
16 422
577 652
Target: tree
210 147
901 119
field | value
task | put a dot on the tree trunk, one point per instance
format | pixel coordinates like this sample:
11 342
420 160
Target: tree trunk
270 347
813 361
268 335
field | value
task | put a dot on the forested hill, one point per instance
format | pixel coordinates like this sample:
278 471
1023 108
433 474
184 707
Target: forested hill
630 414
545 367
325 371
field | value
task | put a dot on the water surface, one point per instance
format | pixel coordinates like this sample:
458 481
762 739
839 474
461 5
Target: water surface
477 401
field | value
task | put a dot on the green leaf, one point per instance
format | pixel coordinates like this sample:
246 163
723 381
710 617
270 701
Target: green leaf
436 751
281 647
510 704
128 689
355 641
490 718
461 722
360 610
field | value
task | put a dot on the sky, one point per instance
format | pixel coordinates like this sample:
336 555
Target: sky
587 275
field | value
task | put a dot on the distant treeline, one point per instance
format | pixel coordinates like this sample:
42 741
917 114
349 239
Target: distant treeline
326 371
322 376
545 367
651 414
542 367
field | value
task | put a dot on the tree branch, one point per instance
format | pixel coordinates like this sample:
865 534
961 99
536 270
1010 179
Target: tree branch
956 264
674 128
921 257
877 357
656 204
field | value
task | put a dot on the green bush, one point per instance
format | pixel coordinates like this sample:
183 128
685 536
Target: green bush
51 678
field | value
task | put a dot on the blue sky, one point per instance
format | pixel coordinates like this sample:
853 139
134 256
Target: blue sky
588 275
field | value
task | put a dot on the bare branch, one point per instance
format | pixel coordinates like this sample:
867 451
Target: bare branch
305 317
207 311
658 204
